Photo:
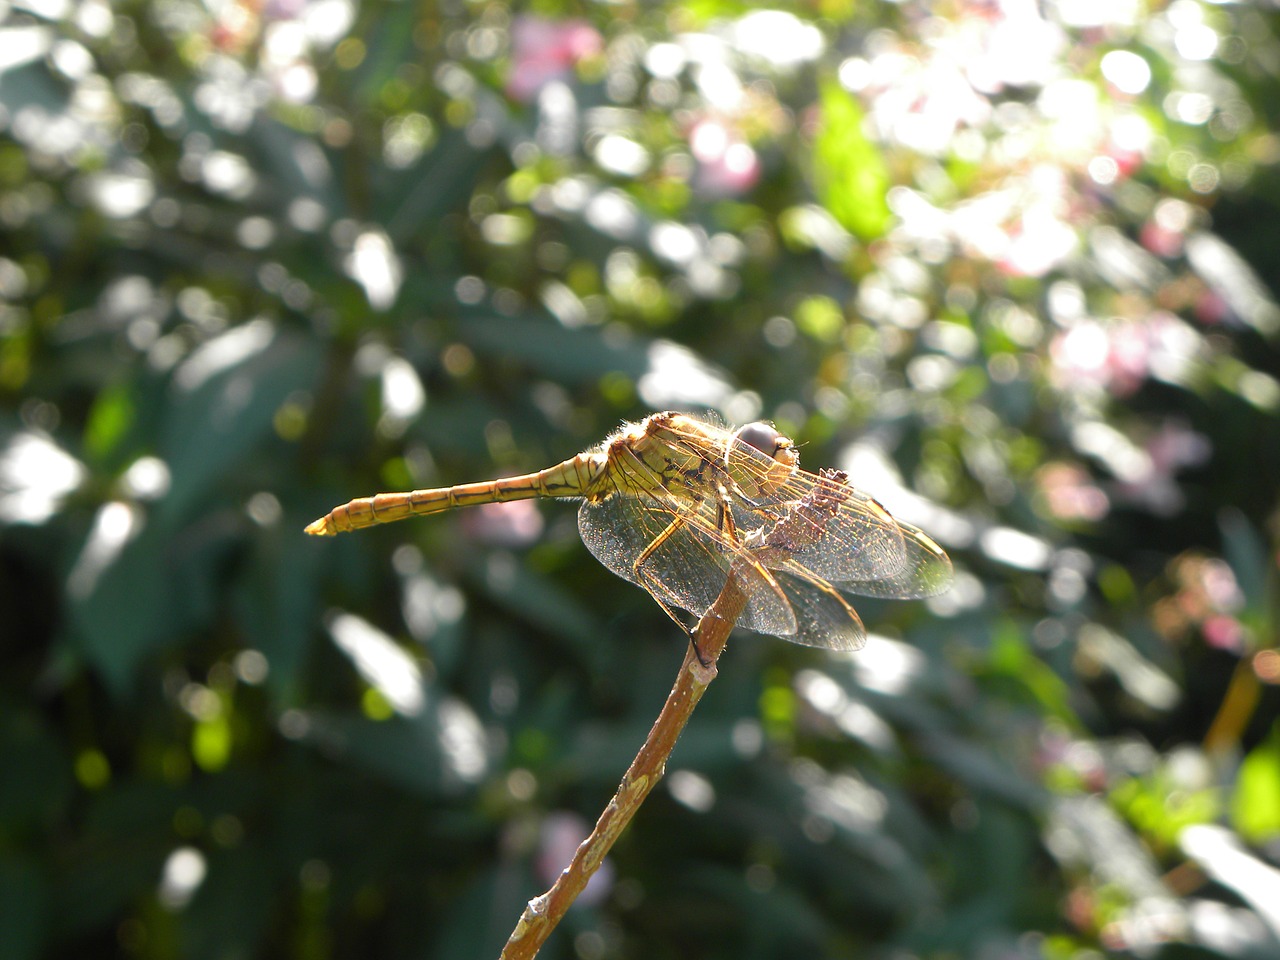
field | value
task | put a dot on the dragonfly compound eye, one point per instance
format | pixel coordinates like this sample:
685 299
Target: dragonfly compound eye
763 436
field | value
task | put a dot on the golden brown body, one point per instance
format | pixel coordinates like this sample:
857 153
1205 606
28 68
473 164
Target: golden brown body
677 505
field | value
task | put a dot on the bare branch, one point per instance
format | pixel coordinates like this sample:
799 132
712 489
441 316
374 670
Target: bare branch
543 913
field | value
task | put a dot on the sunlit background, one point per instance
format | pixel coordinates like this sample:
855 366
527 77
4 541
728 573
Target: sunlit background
1010 264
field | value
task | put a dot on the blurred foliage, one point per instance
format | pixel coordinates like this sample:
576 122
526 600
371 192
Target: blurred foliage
992 258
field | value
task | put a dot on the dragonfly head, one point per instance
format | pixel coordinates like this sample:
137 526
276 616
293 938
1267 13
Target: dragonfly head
765 438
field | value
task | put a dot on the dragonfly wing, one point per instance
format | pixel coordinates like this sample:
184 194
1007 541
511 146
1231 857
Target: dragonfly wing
926 572
834 531
823 617
858 545
691 565
856 540
860 541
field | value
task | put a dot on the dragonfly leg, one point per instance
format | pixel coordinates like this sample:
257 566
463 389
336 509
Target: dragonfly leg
697 651
657 588
690 632
724 518
720 543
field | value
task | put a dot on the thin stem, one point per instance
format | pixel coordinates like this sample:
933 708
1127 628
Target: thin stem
1237 709
543 913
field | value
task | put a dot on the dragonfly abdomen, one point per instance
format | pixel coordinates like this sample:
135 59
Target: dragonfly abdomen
563 480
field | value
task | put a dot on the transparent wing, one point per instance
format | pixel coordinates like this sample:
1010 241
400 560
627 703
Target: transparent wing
926 572
823 617
855 544
689 568
689 504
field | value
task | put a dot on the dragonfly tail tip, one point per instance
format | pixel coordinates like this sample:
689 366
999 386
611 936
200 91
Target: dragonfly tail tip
320 528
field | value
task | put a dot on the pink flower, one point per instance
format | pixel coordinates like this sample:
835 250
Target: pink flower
1038 243
1082 356
1069 493
514 524
1120 354
1175 445
727 165
1211 309
1168 450
547 50
1022 48
1166 232
1223 632
1161 242
1208 597
560 836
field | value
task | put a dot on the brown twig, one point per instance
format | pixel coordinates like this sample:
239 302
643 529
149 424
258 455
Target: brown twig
1237 709
543 913
803 524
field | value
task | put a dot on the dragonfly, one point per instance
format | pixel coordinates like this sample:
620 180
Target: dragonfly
678 505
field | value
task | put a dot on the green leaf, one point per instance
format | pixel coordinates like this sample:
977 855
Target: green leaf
1247 554
110 417
537 599
437 753
297 166
1011 658
1255 806
122 613
501 888
143 596
440 182
550 350
821 318
277 596
125 835
240 883
225 398
38 784
850 173
24 908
